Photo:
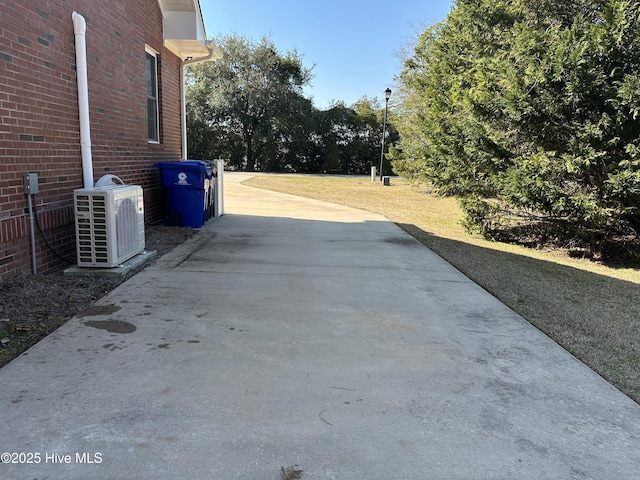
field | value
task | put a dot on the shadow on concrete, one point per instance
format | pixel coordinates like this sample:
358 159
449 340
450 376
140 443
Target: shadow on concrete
264 341
594 317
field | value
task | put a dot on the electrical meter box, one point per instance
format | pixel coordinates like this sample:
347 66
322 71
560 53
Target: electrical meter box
30 183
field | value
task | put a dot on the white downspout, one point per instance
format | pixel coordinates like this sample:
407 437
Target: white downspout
80 28
183 112
214 54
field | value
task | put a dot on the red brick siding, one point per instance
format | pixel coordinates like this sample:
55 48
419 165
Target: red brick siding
39 128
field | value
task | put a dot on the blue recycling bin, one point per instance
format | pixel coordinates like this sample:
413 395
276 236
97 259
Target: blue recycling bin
188 186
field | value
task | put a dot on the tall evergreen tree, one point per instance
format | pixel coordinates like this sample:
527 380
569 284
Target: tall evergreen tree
528 109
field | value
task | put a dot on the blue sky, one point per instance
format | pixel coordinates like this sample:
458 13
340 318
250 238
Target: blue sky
355 45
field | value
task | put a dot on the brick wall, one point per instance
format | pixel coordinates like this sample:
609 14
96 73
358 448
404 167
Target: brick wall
39 128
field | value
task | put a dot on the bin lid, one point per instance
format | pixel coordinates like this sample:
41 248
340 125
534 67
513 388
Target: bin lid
190 165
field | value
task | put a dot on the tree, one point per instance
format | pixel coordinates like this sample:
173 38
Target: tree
249 109
241 94
528 109
292 130
352 136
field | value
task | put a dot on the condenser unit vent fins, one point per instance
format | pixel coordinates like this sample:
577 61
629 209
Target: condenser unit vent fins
109 224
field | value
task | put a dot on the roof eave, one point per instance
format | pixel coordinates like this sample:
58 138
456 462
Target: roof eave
183 28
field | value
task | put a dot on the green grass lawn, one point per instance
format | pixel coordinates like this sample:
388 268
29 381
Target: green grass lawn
591 309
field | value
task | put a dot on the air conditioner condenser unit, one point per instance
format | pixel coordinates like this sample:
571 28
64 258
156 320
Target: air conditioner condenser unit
109 224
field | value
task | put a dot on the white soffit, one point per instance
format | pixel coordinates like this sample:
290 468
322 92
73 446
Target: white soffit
183 29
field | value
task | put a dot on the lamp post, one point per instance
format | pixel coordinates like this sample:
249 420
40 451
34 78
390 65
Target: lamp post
387 95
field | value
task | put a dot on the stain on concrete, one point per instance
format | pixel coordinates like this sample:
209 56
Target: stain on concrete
193 341
526 445
96 310
198 243
232 329
112 326
402 240
164 345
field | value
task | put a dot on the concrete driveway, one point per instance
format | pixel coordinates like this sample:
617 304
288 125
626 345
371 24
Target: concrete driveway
296 332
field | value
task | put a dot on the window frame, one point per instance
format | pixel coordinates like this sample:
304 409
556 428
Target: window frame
151 53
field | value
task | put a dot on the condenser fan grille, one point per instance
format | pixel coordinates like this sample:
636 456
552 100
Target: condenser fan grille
126 232
109 224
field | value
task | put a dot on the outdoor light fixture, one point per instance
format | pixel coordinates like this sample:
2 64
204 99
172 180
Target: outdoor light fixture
387 95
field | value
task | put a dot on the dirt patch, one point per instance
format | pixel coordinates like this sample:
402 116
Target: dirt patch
32 306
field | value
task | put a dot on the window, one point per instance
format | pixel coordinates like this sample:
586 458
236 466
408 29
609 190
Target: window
152 98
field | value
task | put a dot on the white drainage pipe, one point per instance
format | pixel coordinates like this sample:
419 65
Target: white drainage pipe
80 28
